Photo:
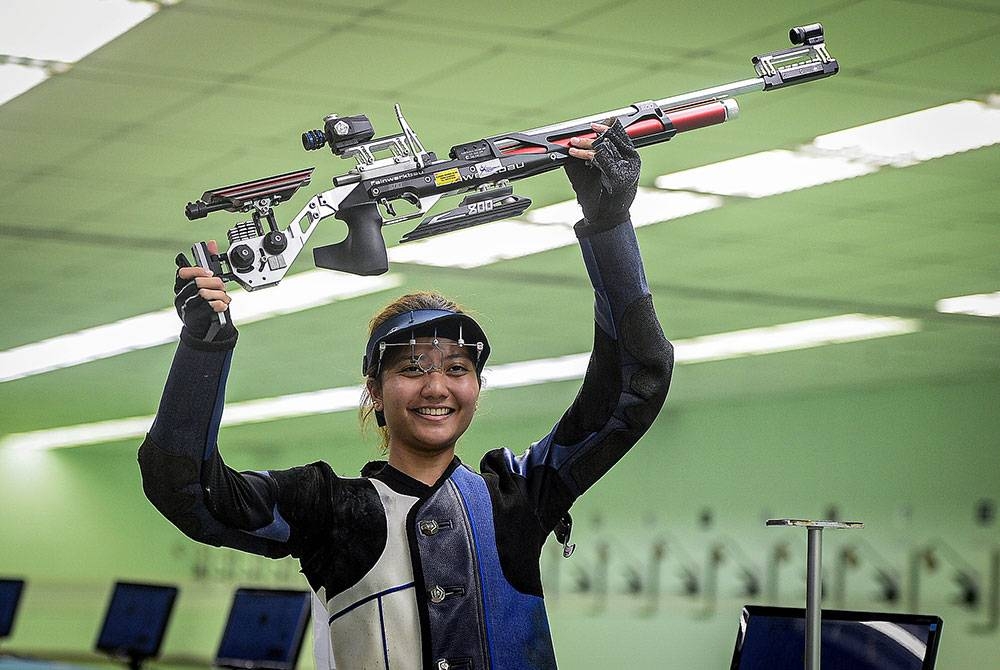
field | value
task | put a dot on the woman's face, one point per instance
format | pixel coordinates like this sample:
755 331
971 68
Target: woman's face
428 394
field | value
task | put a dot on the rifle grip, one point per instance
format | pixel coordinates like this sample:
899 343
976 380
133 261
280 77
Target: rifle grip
362 252
204 259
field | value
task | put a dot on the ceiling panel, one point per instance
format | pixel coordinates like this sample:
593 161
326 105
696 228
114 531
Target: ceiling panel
98 163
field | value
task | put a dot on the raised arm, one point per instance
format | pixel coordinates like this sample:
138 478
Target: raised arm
630 367
183 473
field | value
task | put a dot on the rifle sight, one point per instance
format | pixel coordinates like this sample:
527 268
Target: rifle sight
340 132
809 35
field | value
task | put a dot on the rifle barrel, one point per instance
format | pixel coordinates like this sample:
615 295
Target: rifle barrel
674 102
682 119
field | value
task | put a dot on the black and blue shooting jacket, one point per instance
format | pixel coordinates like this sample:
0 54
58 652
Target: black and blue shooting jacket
406 575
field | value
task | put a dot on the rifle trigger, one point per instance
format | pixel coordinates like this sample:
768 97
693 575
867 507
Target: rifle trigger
388 206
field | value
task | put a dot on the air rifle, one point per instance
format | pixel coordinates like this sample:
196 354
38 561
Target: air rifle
395 169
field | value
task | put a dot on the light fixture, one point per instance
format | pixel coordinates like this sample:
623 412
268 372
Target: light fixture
755 341
312 288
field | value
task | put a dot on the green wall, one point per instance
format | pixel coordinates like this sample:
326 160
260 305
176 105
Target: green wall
910 460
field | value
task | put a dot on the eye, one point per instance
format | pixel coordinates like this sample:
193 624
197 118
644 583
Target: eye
410 370
458 369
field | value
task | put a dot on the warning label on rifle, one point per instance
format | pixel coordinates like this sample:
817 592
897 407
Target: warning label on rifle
446 177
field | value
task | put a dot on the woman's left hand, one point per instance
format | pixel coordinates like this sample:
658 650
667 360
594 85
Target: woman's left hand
605 175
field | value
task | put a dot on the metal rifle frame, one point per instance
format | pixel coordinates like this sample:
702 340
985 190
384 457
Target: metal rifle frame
365 196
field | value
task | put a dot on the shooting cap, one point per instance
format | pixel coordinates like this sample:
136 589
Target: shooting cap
408 326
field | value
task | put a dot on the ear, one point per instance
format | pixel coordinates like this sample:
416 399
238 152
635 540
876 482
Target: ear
375 391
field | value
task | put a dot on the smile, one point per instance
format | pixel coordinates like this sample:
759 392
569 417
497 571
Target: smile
434 411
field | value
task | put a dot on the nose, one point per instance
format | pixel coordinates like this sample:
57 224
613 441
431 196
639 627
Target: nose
435 384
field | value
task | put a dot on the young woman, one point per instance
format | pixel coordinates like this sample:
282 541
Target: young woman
422 562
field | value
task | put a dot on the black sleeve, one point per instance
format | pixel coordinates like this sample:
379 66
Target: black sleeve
623 390
186 479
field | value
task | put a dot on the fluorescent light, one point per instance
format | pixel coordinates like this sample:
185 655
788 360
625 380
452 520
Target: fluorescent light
792 336
541 371
900 141
784 337
252 411
979 304
763 174
294 294
79 436
312 288
565 214
91 344
920 136
650 206
16 79
292 405
482 245
66 30
547 228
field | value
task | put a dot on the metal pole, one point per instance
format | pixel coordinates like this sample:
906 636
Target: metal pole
814 594
814 579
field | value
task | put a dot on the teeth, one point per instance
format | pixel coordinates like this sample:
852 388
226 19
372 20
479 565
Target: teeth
433 411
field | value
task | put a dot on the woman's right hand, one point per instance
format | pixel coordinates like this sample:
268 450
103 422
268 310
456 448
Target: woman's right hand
199 297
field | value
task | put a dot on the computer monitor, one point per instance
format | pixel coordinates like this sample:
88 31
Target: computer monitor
265 629
10 596
135 621
773 638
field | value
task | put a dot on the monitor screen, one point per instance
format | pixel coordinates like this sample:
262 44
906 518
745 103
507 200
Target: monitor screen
10 596
265 629
773 638
136 620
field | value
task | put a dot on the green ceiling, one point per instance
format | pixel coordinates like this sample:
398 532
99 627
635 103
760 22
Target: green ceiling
98 163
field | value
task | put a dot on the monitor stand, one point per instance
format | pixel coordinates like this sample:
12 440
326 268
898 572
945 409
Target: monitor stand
133 661
814 579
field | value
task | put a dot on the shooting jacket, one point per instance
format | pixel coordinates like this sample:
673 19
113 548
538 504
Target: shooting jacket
407 575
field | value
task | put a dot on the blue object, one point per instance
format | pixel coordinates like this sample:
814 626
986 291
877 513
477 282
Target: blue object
136 621
773 638
265 629
10 596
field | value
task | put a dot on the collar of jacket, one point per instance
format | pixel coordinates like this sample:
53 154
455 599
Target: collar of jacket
400 482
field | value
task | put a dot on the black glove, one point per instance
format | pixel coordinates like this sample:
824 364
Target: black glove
201 323
606 186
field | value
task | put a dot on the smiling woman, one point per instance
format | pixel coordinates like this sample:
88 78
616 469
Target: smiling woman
423 562
426 396
396 353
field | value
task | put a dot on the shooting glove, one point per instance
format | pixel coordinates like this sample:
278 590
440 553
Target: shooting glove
606 186
198 316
